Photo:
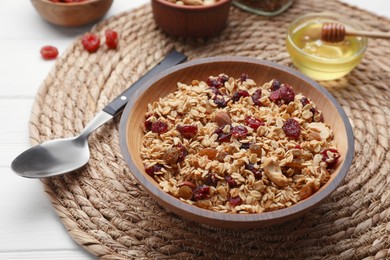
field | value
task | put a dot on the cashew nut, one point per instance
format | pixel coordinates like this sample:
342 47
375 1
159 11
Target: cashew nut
274 173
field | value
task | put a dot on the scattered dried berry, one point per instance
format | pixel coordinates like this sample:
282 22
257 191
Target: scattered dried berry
171 155
304 101
292 128
245 146
211 153
244 77
275 85
239 131
253 122
91 42
187 131
231 182
185 192
211 180
222 137
235 201
330 156
283 95
201 192
256 97
159 127
238 94
111 39
220 101
49 52
255 169
151 171
182 152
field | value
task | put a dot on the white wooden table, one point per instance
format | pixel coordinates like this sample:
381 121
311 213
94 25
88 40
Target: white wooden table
29 227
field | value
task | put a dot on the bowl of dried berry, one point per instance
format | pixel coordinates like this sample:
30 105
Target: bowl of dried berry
191 18
71 12
236 142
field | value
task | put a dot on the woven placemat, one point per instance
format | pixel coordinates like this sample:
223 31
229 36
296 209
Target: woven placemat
109 214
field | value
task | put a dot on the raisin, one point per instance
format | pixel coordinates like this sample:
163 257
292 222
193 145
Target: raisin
231 182
91 42
257 171
275 85
245 146
201 192
221 156
256 97
220 101
211 153
253 122
148 125
214 82
255 148
283 95
332 160
49 52
215 91
223 78
187 131
292 128
159 127
182 152
239 131
238 94
171 155
185 192
222 137
151 171
235 201
211 180
111 39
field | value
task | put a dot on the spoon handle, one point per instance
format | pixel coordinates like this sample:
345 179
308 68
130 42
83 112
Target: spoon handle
117 105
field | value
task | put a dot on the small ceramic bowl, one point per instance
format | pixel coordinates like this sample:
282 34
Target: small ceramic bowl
132 122
318 59
72 14
190 20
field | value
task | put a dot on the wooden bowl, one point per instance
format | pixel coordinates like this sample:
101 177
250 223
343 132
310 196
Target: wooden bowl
191 21
131 134
72 14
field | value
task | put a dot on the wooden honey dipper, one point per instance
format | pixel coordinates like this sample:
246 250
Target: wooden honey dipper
334 32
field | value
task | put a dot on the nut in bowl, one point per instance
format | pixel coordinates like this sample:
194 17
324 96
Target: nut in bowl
75 13
191 18
254 172
318 59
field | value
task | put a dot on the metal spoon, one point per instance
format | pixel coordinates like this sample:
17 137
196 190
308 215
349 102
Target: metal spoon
60 156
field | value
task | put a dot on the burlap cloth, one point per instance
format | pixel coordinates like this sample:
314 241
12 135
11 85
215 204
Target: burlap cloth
107 212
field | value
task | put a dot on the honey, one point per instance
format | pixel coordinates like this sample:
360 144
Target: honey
322 60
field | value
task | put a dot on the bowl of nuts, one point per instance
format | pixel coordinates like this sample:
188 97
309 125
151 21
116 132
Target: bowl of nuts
71 12
191 18
236 142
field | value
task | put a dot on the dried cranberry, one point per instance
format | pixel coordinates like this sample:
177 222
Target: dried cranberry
275 85
187 131
222 137
214 82
91 42
253 122
220 101
49 52
284 95
215 91
244 77
304 101
159 127
148 125
151 171
211 180
111 39
201 192
238 94
256 97
235 201
239 131
223 78
257 171
231 182
330 161
292 128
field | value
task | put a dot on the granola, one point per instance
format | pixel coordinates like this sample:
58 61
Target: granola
230 145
